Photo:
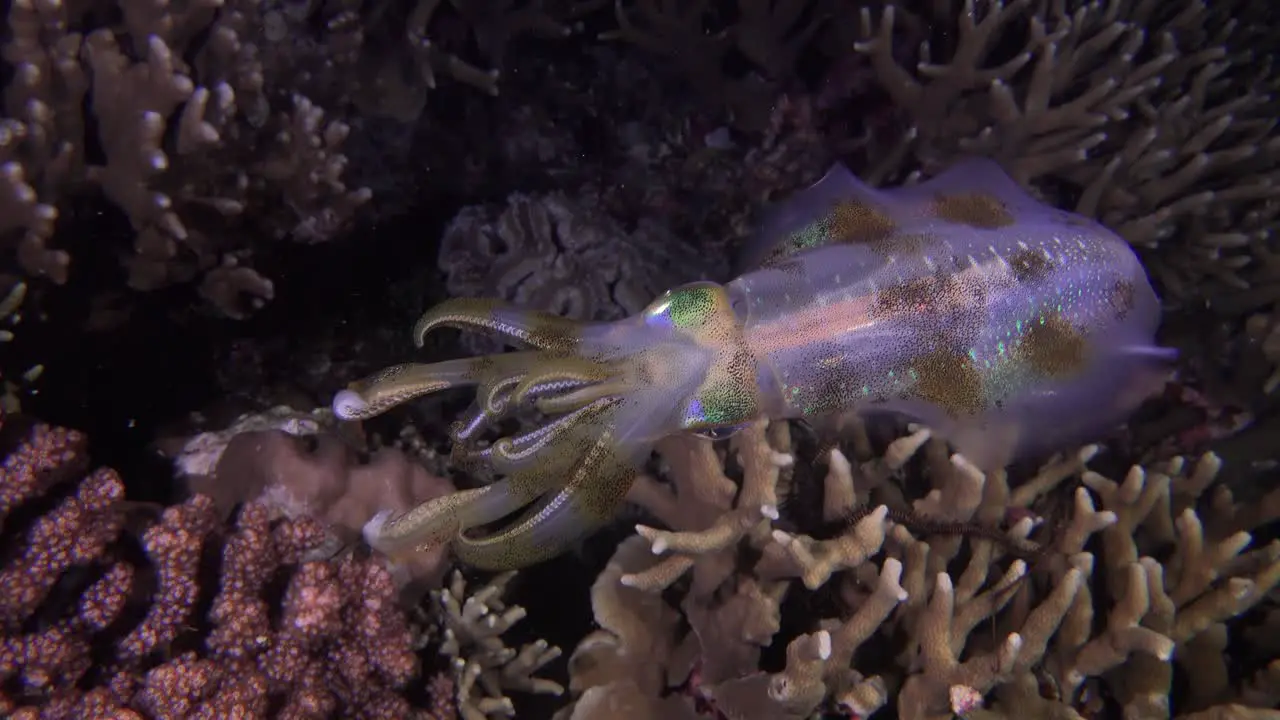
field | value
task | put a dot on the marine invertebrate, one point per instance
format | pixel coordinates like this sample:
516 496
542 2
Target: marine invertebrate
697 39
961 302
484 668
929 625
561 255
1157 117
295 464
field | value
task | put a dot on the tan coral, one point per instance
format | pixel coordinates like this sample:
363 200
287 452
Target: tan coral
485 669
178 95
1162 121
770 35
972 551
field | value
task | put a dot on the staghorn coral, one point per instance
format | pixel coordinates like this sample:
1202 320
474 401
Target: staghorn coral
484 667
191 135
392 54
1159 116
698 38
88 630
1083 619
1265 331
11 316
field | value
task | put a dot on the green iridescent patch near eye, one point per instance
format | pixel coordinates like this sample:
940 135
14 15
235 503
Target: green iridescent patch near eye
692 307
726 403
811 235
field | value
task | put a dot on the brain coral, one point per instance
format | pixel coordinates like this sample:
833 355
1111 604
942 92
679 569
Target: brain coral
565 255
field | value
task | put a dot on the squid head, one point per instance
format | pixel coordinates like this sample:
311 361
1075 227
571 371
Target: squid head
606 391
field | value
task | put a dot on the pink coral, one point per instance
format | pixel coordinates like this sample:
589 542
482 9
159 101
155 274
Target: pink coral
316 475
338 645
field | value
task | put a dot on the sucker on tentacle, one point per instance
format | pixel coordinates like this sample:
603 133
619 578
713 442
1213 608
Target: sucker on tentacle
1006 326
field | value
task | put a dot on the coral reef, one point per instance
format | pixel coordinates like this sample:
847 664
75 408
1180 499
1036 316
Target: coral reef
919 578
190 135
206 123
77 641
1158 116
11 317
698 40
484 668
218 151
562 255
297 464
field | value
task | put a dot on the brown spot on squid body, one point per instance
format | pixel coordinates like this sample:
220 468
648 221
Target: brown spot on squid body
1053 347
1121 299
974 209
855 222
949 380
1030 265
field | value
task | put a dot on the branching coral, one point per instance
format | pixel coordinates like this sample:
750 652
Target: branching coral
1157 114
484 667
186 132
771 35
973 551
393 60
10 317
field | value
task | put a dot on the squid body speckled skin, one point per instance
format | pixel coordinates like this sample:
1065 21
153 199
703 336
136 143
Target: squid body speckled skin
1006 325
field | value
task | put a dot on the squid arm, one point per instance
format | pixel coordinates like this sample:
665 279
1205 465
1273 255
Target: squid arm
609 392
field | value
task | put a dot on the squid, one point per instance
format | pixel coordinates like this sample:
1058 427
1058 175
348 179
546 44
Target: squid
1007 326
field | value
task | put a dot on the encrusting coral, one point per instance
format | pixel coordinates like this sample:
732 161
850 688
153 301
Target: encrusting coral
1082 617
297 464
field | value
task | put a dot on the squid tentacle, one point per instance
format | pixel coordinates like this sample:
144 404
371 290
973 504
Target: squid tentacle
609 391
439 520
495 318
469 425
399 384
511 454
581 396
560 375
588 489
588 502
543 530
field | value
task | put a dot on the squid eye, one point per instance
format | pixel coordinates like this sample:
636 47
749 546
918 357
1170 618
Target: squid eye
720 433
738 303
